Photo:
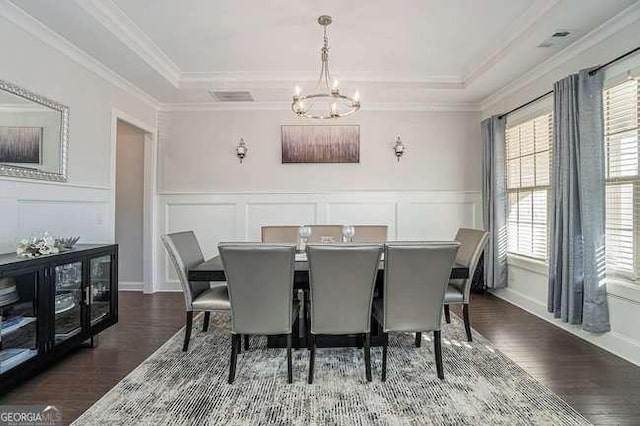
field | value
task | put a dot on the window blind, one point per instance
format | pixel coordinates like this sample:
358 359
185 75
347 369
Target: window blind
621 110
528 152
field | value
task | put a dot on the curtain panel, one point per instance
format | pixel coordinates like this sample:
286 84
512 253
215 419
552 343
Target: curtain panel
577 290
494 198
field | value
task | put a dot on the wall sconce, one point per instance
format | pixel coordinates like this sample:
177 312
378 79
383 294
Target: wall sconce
241 150
398 148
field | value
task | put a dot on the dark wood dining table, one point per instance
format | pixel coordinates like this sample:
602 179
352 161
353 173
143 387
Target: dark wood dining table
212 270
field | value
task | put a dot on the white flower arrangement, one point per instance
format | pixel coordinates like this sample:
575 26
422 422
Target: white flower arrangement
41 246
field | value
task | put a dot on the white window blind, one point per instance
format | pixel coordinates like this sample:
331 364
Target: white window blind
621 108
528 152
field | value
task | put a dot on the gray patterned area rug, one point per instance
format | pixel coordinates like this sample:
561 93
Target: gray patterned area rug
481 386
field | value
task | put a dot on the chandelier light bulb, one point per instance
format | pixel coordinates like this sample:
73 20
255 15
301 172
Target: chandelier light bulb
356 96
335 84
298 90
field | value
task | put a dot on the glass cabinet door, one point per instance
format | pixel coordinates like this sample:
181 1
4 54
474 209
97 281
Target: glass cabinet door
67 301
100 288
18 320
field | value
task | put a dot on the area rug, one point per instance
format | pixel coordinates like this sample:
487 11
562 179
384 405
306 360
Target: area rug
482 386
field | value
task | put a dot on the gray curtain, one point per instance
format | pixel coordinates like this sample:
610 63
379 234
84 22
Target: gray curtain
494 198
577 292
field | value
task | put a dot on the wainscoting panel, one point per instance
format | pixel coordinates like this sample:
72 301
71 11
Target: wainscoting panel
434 220
211 222
216 217
261 214
64 218
364 213
60 209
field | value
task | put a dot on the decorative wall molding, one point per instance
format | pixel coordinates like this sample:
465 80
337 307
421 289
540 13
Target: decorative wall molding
216 217
280 106
34 27
121 26
584 43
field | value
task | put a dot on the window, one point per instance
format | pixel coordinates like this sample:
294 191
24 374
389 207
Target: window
528 152
622 178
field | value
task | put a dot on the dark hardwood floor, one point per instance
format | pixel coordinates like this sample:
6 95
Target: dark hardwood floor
601 386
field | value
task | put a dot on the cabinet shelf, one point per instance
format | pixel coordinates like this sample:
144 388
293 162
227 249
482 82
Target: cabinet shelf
10 358
5 331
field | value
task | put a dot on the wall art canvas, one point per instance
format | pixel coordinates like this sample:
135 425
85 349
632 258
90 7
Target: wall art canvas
20 145
321 144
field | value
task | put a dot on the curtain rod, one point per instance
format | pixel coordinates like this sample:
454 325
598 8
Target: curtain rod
500 117
592 72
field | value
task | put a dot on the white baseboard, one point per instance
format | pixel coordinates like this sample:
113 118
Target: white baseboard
170 287
130 286
616 343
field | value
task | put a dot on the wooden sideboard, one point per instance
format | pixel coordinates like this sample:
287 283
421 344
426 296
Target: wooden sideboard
52 304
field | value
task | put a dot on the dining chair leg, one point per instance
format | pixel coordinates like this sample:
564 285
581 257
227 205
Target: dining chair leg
307 318
289 364
312 356
367 355
385 344
205 323
235 347
437 346
246 342
187 331
467 322
447 314
418 339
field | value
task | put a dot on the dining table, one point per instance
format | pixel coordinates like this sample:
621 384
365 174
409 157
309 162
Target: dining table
212 270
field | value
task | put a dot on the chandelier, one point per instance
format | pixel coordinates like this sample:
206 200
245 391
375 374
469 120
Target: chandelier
328 102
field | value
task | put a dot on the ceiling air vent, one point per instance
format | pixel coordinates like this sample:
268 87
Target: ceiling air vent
232 95
556 37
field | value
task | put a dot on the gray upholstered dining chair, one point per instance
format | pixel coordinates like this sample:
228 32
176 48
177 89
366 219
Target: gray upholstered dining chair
321 232
260 282
341 282
184 252
472 243
415 279
280 234
370 234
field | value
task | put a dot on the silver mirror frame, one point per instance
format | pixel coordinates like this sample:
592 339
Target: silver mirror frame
27 173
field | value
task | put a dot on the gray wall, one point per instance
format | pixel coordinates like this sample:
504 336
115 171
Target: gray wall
130 201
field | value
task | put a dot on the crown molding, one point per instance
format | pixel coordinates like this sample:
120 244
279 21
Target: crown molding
286 106
620 21
31 25
281 80
111 17
517 29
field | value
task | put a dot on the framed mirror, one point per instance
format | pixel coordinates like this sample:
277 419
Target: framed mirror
34 133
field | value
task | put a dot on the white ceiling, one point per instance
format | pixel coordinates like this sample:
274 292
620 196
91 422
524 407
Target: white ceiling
417 52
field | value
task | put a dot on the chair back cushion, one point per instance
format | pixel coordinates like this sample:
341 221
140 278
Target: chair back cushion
185 253
341 279
318 232
472 243
260 283
416 277
280 234
376 234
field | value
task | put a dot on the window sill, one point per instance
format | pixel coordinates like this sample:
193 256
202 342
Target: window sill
526 263
623 289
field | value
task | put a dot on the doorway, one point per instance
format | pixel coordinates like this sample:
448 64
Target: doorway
132 201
